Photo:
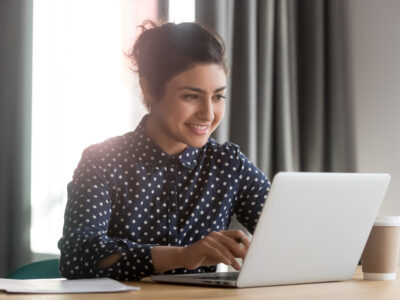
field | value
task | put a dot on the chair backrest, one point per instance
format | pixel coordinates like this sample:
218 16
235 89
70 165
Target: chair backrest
37 270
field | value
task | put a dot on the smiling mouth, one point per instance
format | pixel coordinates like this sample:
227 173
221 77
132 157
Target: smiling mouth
199 127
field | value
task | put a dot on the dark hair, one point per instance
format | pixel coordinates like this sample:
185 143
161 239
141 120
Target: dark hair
164 50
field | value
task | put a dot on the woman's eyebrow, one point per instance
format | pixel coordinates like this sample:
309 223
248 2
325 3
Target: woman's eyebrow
200 90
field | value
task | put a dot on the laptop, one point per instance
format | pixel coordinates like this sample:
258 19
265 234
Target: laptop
313 228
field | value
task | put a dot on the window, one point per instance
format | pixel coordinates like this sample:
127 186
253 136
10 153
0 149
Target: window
181 11
83 93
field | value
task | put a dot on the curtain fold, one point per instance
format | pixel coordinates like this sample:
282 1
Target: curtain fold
285 126
312 85
15 120
289 108
162 9
266 25
342 146
244 78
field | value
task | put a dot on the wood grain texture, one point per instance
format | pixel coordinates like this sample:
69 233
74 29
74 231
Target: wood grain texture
353 289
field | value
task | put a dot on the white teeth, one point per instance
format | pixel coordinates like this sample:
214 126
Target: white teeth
198 126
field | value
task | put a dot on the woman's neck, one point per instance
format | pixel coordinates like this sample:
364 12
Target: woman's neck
157 133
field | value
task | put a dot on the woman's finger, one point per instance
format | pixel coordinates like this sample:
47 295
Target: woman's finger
236 265
215 241
214 250
230 242
239 236
218 247
226 251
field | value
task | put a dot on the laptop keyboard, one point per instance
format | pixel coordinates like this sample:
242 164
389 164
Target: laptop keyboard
219 275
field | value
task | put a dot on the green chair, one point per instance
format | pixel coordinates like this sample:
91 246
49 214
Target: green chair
37 270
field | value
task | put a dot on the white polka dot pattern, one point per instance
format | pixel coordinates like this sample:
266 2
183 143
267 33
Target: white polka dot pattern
128 196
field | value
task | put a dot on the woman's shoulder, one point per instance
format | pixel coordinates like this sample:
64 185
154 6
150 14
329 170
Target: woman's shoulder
112 145
226 149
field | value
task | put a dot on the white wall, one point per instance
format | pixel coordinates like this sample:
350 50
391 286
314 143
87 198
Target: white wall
374 56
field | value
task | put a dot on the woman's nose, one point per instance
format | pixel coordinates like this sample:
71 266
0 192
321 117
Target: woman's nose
206 110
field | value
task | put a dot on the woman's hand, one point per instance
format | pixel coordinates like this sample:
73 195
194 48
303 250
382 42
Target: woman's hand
217 247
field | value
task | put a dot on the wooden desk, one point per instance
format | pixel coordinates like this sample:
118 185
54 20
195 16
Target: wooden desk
353 289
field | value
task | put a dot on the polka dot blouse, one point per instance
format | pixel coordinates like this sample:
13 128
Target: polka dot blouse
128 196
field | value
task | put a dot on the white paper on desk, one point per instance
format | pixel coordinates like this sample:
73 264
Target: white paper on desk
63 286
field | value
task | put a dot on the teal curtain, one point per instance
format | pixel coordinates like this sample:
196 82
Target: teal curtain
16 17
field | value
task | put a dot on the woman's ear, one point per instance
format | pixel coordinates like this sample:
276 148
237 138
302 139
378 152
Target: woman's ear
145 87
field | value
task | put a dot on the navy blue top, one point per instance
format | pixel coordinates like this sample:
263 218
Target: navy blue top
127 196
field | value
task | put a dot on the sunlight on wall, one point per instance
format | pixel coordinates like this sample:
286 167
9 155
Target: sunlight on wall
83 93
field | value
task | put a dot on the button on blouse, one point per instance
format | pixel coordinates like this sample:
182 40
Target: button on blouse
128 196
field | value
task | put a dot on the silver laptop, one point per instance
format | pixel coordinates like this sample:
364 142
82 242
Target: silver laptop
313 228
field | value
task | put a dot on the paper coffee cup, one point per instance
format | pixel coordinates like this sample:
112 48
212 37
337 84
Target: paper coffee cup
380 256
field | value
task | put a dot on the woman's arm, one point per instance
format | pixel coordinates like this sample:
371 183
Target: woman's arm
217 247
252 193
87 250
109 260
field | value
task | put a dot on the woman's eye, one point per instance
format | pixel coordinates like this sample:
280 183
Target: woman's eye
190 96
219 97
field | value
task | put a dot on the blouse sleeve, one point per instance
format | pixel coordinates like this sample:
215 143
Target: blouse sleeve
252 192
85 241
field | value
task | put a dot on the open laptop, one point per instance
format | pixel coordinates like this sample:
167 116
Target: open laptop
313 228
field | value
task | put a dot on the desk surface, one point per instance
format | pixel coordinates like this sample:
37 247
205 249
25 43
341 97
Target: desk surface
354 289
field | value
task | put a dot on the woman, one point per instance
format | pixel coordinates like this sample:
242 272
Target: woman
162 197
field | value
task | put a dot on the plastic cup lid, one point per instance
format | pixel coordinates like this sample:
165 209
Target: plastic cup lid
387 221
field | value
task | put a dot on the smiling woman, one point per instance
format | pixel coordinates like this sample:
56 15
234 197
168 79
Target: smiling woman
189 111
161 198
184 93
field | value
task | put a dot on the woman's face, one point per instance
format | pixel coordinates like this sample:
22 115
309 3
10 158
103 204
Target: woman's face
190 110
